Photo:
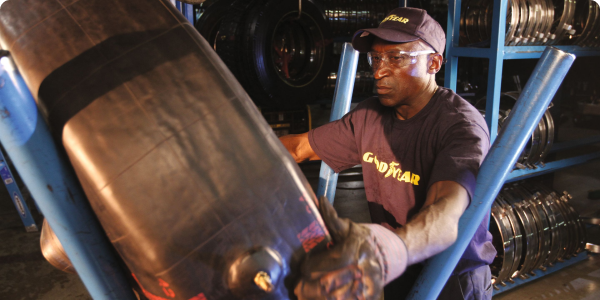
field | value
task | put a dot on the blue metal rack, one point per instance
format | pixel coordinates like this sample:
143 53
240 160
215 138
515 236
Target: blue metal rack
539 273
496 54
16 196
187 10
341 105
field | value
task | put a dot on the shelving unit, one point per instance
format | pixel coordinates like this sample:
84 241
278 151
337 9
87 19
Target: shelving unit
539 273
496 54
186 10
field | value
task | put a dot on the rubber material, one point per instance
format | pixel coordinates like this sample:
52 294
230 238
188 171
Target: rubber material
212 17
263 24
229 43
181 169
53 250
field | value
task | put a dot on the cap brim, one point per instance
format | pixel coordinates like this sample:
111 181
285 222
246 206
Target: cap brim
363 43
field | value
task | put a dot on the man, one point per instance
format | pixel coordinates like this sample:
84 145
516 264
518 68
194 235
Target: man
420 147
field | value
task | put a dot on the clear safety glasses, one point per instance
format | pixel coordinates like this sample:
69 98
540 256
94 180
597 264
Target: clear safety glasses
396 59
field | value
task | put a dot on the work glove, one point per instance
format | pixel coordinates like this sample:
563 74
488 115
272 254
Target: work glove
363 258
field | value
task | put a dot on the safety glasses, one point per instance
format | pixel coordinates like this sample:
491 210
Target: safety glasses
396 59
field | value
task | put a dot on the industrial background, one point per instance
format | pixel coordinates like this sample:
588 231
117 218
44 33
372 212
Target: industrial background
287 56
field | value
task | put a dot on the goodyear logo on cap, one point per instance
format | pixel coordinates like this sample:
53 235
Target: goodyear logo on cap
395 18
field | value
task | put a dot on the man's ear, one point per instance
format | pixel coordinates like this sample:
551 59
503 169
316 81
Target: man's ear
435 64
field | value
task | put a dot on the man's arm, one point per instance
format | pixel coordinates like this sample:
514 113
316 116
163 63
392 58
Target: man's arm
435 227
299 147
365 257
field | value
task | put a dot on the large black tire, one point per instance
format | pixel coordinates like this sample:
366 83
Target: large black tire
210 20
272 77
229 42
193 1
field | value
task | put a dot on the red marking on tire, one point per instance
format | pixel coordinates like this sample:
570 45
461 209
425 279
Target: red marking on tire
329 245
199 297
165 287
308 210
311 236
169 292
146 293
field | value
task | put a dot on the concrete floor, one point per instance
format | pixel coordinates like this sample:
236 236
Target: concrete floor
25 274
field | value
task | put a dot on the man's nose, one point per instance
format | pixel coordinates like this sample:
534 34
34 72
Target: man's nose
382 71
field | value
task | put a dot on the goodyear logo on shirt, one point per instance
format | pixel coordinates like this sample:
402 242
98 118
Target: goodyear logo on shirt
391 169
395 18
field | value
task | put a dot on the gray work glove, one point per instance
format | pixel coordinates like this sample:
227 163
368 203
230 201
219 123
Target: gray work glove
356 266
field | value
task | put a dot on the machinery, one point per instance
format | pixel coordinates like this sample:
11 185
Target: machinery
170 151
188 182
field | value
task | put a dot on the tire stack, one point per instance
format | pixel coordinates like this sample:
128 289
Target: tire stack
278 50
533 23
533 227
542 138
285 59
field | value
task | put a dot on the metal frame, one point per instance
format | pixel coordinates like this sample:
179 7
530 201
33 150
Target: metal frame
539 273
529 109
50 179
342 98
551 167
496 54
187 10
15 195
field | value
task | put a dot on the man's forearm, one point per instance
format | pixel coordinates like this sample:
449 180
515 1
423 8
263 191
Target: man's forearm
435 227
299 147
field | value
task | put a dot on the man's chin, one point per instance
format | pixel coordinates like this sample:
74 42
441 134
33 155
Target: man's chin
386 101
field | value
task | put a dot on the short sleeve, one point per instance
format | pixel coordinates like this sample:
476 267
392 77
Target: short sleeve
336 143
463 149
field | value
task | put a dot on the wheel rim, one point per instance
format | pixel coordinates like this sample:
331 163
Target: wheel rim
297 49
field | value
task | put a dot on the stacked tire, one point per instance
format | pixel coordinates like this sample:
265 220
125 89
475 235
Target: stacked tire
279 50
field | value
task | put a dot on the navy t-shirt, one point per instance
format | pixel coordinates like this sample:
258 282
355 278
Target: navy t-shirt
446 141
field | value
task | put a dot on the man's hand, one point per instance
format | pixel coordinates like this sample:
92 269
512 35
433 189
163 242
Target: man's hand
356 266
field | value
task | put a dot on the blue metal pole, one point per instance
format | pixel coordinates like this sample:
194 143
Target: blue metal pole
452 34
342 99
541 87
496 60
187 10
28 142
15 195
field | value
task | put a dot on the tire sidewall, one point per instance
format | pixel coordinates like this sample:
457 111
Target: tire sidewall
261 26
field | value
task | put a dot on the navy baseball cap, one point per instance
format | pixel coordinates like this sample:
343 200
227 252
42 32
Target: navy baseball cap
402 25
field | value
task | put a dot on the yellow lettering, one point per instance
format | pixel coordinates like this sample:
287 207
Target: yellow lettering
395 18
392 169
383 167
397 172
405 177
415 179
